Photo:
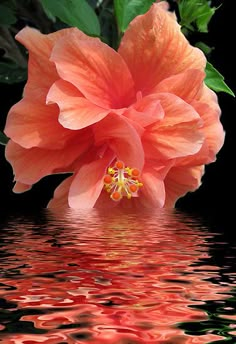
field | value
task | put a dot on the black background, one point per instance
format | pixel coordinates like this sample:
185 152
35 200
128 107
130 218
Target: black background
217 193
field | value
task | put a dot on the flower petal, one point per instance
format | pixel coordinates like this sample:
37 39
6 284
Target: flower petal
104 202
60 197
145 111
76 112
185 85
41 72
208 108
181 180
30 165
97 70
88 183
20 187
154 49
177 134
33 124
122 138
152 194
212 129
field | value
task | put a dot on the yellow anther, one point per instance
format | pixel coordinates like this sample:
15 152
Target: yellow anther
129 195
110 170
128 170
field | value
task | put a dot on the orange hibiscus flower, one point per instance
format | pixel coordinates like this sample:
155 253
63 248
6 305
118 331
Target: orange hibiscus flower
137 124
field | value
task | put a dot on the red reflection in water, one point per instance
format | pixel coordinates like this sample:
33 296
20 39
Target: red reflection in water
100 278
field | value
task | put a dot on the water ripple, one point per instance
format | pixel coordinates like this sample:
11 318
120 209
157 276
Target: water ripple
93 277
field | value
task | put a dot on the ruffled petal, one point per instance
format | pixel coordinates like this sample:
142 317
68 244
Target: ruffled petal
33 124
97 70
208 108
186 85
181 180
30 165
145 111
41 72
88 183
212 129
154 49
178 134
76 112
122 138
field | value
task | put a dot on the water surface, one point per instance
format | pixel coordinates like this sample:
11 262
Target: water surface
125 278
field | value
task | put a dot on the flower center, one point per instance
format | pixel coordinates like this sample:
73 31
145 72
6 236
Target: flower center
121 181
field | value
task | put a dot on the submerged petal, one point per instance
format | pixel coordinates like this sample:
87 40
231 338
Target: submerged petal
154 49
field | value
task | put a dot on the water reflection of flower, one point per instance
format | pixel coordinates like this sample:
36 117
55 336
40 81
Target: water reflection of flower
111 279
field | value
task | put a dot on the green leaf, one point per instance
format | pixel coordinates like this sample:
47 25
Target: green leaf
204 18
76 13
127 10
11 73
196 12
7 16
3 139
49 15
215 80
204 47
